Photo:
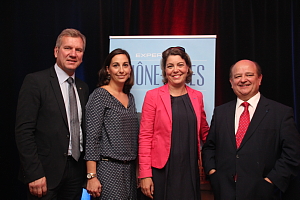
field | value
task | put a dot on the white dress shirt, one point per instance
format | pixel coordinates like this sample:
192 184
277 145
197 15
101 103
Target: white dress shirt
64 86
253 101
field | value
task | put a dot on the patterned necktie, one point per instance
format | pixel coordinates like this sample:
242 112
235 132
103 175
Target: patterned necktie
74 121
243 124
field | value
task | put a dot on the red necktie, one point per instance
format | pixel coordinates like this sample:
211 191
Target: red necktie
243 124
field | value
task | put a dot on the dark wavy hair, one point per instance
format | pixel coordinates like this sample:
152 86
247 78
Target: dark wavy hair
103 77
180 51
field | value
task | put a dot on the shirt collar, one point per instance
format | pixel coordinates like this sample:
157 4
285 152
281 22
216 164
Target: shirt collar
253 101
61 74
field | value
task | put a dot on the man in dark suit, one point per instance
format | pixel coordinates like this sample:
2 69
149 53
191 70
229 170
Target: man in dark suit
267 158
49 124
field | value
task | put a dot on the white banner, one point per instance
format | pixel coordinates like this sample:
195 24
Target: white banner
145 53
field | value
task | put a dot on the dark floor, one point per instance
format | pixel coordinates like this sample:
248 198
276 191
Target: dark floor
207 195
206 192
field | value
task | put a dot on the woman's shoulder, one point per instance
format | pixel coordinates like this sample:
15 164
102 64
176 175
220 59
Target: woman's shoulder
100 93
100 90
130 95
156 90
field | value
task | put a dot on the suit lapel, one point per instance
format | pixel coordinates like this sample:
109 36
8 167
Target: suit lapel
80 93
196 107
166 99
230 113
259 114
82 98
58 94
195 102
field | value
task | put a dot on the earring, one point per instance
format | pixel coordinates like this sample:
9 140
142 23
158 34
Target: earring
108 77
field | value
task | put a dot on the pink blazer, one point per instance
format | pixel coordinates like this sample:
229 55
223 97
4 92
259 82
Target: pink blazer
156 127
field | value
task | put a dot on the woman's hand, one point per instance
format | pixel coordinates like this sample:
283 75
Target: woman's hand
94 187
147 187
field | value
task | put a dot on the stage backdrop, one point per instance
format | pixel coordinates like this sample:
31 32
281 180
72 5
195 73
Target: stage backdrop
145 53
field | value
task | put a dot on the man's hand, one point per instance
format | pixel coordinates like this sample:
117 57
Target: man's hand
211 171
268 180
38 187
147 187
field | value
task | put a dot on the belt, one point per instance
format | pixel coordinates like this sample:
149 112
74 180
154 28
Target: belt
115 160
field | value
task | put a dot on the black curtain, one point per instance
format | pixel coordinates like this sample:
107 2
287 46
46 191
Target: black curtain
265 31
28 33
295 37
259 31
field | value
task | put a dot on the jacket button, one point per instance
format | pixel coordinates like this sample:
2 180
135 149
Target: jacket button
68 136
237 156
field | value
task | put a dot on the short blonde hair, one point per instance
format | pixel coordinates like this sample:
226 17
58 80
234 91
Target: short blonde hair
69 32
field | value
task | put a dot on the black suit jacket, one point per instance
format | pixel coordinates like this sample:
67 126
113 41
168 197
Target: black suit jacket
42 133
270 148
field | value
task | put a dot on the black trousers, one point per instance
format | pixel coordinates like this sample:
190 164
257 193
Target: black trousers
70 187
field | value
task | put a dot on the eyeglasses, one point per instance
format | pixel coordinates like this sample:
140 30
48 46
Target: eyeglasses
180 48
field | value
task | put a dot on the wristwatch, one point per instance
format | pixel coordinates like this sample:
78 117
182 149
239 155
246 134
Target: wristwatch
91 175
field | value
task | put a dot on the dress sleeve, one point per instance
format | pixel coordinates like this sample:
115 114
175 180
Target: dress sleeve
95 109
204 125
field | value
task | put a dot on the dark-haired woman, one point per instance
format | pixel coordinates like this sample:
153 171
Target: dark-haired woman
173 123
112 130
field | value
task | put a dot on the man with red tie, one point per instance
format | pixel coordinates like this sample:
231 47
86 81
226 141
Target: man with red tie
253 147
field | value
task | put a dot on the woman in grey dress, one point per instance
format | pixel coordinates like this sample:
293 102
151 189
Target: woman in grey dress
112 130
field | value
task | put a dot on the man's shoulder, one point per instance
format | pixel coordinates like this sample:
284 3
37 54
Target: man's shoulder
79 81
40 75
273 103
226 105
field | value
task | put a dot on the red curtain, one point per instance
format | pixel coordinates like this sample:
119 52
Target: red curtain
182 17
178 17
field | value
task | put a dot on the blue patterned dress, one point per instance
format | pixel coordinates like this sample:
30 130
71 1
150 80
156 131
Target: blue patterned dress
112 132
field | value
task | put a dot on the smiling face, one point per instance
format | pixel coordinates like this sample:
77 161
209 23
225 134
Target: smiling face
69 54
119 69
176 70
245 80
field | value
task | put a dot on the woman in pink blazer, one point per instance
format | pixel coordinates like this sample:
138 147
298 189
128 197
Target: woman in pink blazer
173 123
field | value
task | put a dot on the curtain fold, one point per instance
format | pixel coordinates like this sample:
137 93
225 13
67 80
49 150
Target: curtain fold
260 31
178 17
